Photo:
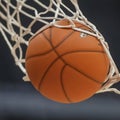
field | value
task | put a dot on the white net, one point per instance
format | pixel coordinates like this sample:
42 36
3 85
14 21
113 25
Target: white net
22 19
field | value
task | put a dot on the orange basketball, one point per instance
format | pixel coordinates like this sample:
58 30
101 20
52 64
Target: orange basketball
66 66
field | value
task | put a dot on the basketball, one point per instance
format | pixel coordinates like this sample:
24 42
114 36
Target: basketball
66 65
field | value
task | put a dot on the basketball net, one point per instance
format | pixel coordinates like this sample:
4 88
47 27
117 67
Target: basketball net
22 19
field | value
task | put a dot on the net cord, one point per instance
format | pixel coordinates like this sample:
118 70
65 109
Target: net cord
18 39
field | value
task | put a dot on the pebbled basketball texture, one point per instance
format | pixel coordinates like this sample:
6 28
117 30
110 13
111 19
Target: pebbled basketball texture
65 66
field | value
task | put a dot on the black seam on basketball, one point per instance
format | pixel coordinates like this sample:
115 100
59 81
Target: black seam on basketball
66 37
60 57
41 81
47 52
80 70
54 47
38 55
61 80
85 74
50 41
31 38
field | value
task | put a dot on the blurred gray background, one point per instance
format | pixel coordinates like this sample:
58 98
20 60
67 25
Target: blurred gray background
20 101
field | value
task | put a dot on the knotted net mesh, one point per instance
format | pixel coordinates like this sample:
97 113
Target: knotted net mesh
22 19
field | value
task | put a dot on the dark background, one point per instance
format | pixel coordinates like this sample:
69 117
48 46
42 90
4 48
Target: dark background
20 101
